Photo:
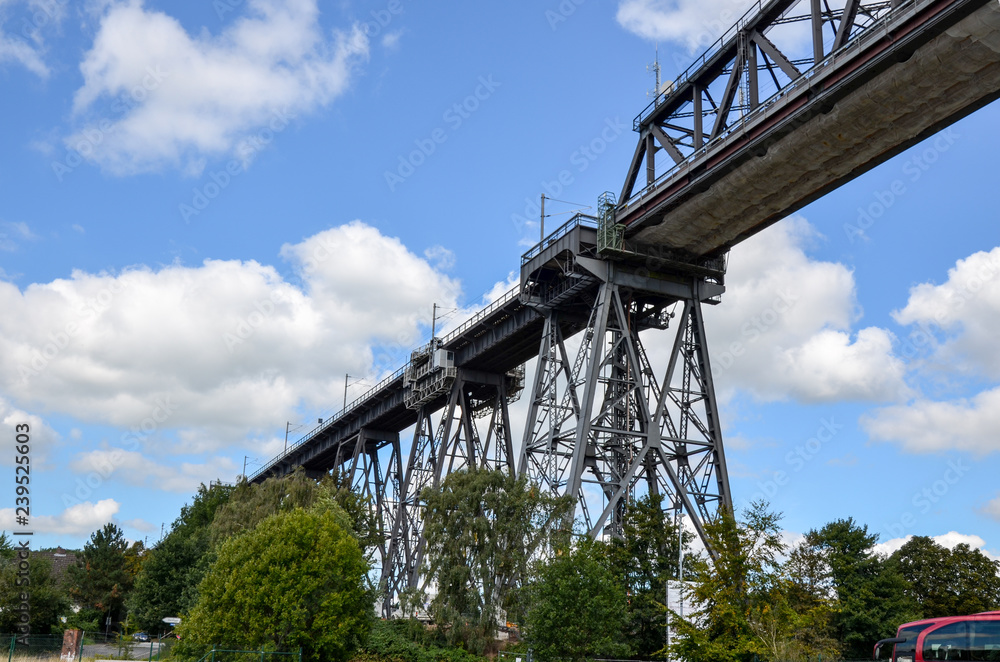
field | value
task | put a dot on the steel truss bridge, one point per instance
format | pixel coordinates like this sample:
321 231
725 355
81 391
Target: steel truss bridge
793 101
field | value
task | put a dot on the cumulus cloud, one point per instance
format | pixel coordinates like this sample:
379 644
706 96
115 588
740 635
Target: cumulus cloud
967 308
691 23
178 98
136 469
41 437
784 328
925 426
222 350
81 519
951 540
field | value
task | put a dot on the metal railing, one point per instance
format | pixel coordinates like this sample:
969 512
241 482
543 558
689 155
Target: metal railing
398 374
475 319
486 312
559 233
720 44
699 62
769 105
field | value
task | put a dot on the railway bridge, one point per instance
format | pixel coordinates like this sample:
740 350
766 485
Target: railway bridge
794 100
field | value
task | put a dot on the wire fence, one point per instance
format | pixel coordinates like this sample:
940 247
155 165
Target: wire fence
88 647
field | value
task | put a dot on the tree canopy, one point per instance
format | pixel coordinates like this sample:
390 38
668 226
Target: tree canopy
482 529
167 585
297 579
872 599
742 610
946 582
103 577
576 606
644 559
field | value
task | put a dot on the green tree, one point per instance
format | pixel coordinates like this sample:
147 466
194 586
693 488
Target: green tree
48 601
251 503
576 606
742 607
167 584
296 580
812 600
947 582
482 528
644 558
872 595
102 579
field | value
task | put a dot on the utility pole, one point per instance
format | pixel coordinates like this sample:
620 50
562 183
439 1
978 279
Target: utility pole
346 377
434 316
542 220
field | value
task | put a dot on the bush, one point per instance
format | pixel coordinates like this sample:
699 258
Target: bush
408 641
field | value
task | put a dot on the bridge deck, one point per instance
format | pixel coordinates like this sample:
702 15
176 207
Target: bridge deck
922 67
495 340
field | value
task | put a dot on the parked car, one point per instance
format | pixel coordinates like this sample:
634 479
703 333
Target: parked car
140 636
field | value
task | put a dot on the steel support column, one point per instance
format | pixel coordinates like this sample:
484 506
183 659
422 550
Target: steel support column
456 442
604 428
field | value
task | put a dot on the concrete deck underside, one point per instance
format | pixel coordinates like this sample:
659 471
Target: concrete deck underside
948 77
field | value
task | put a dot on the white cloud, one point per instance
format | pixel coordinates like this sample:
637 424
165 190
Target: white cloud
135 469
81 519
11 233
784 327
179 99
951 540
41 437
218 351
967 306
965 309
21 32
440 257
390 41
13 49
992 509
139 524
926 426
692 23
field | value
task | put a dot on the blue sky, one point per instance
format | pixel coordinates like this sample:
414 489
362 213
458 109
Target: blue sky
210 212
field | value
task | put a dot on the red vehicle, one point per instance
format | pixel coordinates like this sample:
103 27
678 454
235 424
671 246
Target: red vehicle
973 638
